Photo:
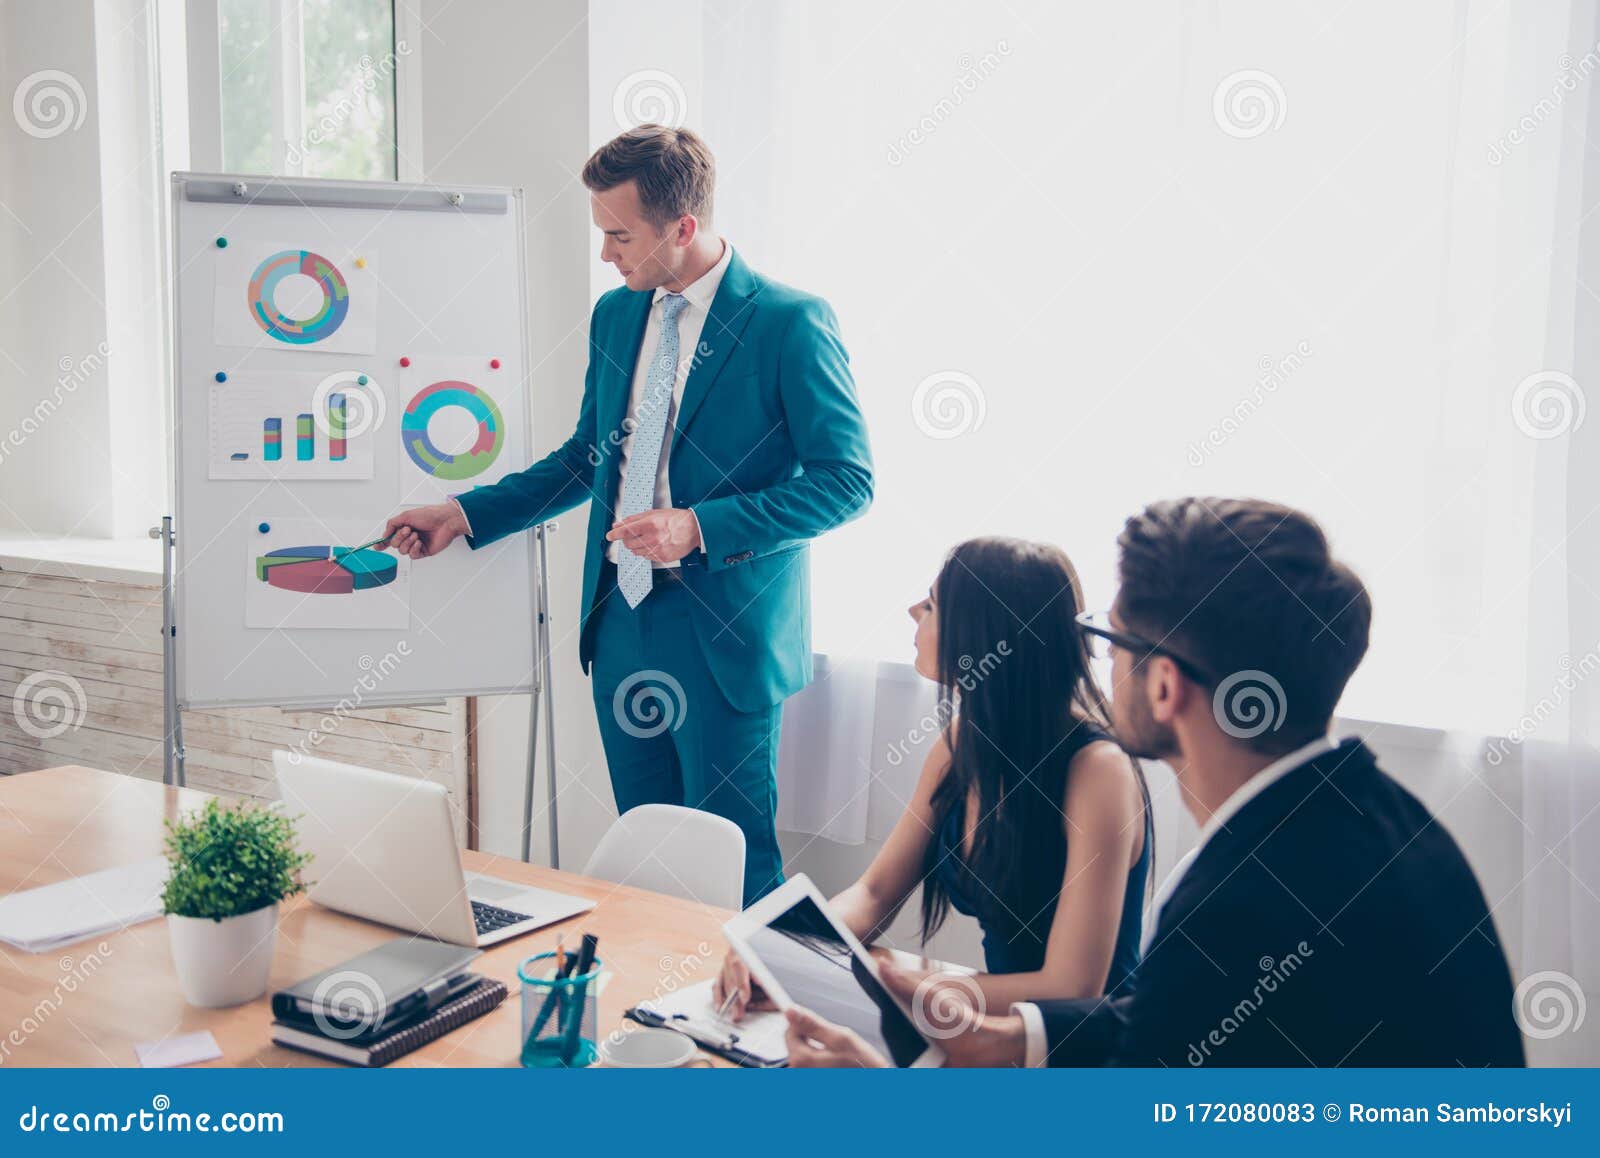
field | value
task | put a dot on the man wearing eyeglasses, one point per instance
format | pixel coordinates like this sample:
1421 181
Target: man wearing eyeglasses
1325 917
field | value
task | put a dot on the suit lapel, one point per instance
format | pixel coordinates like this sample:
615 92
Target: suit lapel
730 313
621 353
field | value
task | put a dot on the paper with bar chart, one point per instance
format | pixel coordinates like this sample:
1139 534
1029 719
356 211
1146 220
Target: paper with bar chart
295 426
295 296
318 573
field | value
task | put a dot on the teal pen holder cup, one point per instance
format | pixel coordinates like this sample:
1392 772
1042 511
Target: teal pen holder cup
560 1015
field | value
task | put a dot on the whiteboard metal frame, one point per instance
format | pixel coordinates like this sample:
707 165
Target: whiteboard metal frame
249 189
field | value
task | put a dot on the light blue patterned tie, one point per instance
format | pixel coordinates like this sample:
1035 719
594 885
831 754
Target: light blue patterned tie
649 435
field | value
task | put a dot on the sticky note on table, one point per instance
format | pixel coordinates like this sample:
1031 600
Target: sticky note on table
183 1050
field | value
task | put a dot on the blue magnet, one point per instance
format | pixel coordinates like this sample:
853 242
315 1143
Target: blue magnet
263 528
361 381
221 377
222 243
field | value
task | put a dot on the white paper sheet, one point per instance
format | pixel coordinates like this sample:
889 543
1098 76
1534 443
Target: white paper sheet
183 1050
53 916
243 408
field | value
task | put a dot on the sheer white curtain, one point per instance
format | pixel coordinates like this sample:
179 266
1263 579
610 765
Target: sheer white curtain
1086 257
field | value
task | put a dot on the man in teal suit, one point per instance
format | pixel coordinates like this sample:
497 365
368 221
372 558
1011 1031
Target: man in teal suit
719 433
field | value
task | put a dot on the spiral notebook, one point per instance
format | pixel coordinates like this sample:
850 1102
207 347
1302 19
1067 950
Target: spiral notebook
380 1051
755 1040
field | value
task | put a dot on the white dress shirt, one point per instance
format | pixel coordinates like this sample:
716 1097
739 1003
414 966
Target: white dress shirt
691 323
1038 1047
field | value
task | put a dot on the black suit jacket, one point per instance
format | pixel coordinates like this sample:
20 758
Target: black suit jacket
1331 921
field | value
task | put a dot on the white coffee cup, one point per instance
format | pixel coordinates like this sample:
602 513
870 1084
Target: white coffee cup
647 1048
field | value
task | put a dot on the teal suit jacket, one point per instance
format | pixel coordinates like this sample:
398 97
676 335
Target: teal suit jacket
769 450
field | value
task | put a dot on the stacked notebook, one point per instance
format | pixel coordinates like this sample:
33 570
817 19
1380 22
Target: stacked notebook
381 1005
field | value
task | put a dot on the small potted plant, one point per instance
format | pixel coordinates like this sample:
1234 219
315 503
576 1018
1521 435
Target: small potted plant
229 869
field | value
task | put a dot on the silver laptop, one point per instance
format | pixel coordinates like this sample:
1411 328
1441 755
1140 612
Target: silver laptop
384 848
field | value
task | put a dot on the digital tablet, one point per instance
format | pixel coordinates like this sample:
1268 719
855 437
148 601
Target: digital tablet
802 955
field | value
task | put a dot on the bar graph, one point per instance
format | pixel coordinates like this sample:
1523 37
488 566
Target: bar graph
249 423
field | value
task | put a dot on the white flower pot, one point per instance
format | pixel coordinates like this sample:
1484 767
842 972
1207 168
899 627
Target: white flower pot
224 962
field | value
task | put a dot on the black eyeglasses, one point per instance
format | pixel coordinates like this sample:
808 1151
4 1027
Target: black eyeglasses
1101 637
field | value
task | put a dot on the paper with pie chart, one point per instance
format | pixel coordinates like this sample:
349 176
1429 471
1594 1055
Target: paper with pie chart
295 295
295 426
304 573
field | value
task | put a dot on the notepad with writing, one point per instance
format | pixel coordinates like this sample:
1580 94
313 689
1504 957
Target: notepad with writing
754 1040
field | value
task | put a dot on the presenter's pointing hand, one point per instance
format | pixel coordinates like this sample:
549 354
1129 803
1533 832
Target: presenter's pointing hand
664 535
424 531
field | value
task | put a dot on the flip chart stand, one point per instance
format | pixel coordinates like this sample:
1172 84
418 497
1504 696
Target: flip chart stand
542 692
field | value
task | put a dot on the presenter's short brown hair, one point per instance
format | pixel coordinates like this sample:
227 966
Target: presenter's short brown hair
673 169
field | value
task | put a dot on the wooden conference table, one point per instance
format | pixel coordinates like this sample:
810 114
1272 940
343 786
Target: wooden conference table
84 1006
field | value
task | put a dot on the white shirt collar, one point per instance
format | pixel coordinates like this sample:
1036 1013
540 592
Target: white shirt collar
1260 782
703 289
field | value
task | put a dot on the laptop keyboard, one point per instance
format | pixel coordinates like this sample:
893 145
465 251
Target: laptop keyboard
488 918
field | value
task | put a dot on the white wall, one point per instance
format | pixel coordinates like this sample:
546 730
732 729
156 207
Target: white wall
81 383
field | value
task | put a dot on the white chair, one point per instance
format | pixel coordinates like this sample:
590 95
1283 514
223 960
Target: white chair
682 852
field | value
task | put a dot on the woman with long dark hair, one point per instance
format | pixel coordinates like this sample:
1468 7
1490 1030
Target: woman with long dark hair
1027 815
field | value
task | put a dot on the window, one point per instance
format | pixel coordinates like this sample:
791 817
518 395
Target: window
1085 257
329 67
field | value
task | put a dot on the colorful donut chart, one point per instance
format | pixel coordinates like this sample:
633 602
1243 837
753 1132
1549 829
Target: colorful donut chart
298 331
476 458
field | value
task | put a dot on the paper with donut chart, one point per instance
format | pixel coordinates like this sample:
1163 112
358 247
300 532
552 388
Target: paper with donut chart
307 573
295 295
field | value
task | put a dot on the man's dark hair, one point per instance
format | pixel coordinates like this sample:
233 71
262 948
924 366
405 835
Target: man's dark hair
673 169
1248 592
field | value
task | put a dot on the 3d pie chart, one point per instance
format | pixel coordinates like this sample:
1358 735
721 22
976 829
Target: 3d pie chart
326 570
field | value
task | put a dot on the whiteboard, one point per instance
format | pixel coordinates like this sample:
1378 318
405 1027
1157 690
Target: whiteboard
317 434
